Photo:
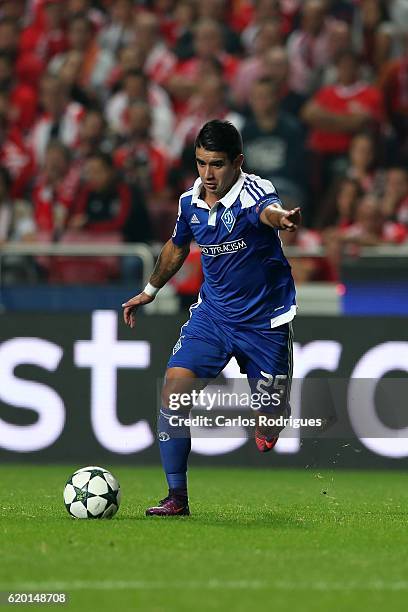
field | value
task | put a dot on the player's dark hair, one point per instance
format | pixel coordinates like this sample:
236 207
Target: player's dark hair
220 136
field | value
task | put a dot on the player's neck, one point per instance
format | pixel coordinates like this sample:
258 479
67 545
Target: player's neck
211 198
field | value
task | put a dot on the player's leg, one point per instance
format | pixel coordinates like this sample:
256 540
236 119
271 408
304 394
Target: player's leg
198 355
174 442
267 359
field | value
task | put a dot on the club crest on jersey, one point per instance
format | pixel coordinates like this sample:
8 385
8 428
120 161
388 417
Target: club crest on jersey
195 219
228 219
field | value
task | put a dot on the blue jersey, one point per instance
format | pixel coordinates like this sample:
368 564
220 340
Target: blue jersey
247 278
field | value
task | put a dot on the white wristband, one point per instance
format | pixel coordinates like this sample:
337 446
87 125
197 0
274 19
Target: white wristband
150 290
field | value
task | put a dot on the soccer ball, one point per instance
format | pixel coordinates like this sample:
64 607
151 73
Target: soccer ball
92 492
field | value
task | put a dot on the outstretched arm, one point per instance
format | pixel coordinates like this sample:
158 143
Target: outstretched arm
281 219
169 262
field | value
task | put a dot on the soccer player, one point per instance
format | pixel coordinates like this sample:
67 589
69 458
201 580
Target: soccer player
246 303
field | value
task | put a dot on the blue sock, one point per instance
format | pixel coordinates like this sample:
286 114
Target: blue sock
175 446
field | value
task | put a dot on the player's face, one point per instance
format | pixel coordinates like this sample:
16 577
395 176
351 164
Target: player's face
217 172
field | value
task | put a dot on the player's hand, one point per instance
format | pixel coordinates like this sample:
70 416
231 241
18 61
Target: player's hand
290 219
130 307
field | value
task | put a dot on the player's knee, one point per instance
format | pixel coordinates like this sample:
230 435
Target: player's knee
168 395
173 397
178 383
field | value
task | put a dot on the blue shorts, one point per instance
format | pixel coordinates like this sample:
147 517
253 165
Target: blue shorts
205 347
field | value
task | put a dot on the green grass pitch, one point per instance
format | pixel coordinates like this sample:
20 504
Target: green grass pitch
257 539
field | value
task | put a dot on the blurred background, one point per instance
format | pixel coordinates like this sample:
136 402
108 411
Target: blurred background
100 103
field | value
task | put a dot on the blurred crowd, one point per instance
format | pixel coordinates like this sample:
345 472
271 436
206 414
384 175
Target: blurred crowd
100 103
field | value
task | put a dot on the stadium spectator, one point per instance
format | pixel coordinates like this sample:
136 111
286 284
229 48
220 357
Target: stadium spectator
16 225
59 58
69 73
339 41
88 8
274 143
47 37
309 46
159 60
334 114
362 161
54 192
393 79
264 10
13 9
129 59
118 32
97 62
104 203
140 161
371 227
339 209
93 137
22 98
208 44
137 87
386 46
209 102
366 23
240 14
16 219
216 10
185 14
106 210
277 68
9 37
60 118
15 156
394 200
256 64
308 268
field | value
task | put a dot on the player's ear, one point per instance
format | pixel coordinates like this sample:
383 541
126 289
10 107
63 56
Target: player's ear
238 161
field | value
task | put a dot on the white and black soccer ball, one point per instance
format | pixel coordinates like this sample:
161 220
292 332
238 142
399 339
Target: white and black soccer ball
92 492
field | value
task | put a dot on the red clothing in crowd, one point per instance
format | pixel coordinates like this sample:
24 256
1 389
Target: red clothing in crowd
154 159
344 100
189 279
68 131
160 64
391 232
17 158
116 204
241 15
23 102
394 85
191 67
45 44
49 202
29 70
